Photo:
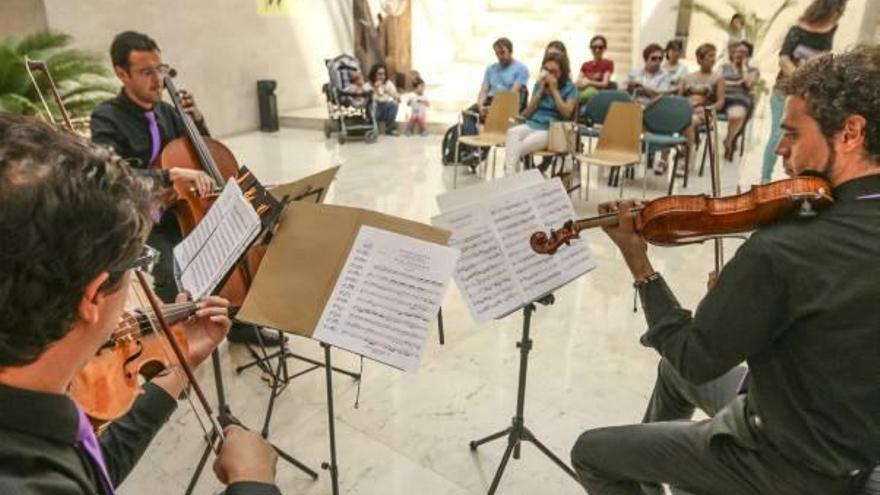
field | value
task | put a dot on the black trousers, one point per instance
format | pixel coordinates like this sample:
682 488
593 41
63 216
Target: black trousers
670 448
164 236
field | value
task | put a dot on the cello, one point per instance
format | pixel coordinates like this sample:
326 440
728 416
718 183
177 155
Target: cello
197 152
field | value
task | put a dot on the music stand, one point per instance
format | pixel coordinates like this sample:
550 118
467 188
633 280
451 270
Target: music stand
518 432
224 411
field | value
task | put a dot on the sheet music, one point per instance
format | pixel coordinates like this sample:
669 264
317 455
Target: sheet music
387 296
498 272
205 256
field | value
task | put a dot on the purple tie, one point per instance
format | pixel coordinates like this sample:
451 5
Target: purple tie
86 439
155 138
743 387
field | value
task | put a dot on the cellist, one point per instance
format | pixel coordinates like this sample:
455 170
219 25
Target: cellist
73 219
137 124
798 302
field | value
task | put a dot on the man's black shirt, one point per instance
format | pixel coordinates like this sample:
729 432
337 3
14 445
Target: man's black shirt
121 124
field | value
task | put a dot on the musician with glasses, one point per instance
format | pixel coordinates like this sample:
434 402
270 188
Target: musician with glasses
73 220
798 303
137 125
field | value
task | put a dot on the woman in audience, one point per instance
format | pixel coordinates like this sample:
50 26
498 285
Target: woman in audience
704 88
553 99
737 29
649 83
595 75
556 46
813 35
673 65
386 98
739 80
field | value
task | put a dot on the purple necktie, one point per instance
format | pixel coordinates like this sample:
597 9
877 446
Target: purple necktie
155 138
743 387
86 439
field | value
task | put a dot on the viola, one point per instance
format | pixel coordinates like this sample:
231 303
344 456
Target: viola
688 219
108 385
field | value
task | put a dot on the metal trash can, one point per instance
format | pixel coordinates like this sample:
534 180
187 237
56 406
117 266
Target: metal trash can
268 105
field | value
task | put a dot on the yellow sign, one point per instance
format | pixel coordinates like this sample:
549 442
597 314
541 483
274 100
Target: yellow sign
277 8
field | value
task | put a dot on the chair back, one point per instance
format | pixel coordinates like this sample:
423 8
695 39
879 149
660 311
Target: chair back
669 115
504 106
622 131
597 107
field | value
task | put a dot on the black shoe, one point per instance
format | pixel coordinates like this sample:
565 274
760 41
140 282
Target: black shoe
241 333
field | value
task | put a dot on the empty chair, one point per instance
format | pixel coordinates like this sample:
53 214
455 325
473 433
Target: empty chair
619 140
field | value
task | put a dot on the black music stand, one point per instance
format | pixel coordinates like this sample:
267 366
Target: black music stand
224 412
517 432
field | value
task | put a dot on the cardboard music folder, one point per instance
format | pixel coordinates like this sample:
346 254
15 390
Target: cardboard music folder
298 274
315 185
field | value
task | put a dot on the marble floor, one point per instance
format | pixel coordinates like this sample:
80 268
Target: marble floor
411 431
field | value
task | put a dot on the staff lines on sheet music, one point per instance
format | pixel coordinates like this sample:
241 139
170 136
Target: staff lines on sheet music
373 331
370 304
432 283
388 349
404 285
410 305
397 292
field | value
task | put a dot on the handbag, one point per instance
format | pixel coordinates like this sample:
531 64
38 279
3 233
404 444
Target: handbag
561 137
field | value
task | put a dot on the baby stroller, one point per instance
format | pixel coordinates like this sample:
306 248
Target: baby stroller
348 114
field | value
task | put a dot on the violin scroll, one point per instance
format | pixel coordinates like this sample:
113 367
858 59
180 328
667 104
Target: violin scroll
541 243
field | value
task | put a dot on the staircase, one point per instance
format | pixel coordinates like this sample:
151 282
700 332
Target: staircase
454 72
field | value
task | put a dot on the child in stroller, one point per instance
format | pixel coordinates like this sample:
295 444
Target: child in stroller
349 105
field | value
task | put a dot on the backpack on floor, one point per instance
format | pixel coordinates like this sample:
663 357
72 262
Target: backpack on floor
468 155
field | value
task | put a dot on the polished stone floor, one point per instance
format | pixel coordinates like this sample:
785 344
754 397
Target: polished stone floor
410 432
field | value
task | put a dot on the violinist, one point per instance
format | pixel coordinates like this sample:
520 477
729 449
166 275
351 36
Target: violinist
73 219
137 124
798 303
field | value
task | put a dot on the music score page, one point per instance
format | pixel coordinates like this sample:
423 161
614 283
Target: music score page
498 272
387 296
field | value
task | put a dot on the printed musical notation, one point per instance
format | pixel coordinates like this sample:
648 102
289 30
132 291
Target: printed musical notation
498 272
205 256
386 297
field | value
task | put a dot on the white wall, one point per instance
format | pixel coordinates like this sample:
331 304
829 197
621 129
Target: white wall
222 47
657 25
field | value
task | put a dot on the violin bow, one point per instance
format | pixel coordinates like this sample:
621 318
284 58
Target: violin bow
178 353
32 65
712 143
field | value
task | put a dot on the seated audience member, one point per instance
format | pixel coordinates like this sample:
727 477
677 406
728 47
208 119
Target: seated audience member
673 65
554 98
739 81
507 74
737 30
418 109
650 82
62 294
356 86
385 98
703 88
595 75
556 46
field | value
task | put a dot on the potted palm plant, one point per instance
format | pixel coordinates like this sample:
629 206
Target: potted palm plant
81 76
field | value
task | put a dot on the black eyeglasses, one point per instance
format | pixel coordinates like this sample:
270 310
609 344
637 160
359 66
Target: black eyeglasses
655 59
145 261
597 47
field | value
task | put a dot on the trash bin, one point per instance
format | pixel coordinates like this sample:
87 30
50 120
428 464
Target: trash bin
268 105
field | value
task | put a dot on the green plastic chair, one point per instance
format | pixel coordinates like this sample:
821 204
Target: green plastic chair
665 121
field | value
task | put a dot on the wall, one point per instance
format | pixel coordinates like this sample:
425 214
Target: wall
222 47
18 17
657 25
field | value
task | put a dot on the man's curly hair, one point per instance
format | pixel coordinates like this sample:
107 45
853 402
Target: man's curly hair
838 86
69 211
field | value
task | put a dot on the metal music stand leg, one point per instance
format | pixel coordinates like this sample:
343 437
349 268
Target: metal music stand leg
518 432
440 326
225 418
332 466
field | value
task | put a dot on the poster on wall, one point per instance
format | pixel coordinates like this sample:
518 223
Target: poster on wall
278 8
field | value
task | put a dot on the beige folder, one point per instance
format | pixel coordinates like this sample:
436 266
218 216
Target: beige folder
315 182
297 276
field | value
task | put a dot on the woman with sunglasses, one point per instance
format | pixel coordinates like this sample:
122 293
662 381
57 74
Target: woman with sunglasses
650 82
595 75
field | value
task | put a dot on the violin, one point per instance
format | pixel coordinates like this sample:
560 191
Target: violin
689 219
108 385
